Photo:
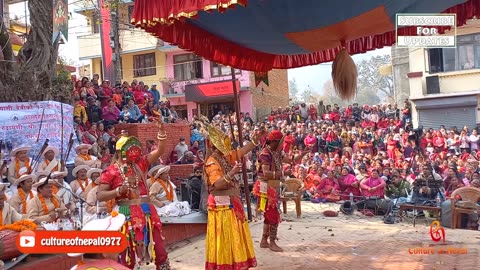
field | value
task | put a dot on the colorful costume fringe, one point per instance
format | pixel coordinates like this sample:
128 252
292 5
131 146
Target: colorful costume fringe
142 225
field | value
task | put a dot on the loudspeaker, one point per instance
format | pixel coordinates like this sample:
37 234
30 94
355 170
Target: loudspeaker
433 85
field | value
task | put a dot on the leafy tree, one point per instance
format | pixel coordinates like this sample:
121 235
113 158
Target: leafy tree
369 77
33 76
293 90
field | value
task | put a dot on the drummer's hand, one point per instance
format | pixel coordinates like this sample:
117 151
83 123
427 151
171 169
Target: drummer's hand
53 216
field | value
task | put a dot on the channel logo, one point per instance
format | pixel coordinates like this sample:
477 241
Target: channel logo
26 239
49 242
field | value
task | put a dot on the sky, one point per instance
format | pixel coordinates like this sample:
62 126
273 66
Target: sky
316 76
313 76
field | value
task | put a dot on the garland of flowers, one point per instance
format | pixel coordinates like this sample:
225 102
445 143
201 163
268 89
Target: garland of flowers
22 225
27 165
23 197
110 205
44 204
168 190
54 189
85 157
81 183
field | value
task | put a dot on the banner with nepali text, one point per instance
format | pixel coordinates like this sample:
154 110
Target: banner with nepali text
30 123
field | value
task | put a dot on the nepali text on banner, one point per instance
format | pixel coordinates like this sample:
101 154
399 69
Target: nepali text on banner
20 126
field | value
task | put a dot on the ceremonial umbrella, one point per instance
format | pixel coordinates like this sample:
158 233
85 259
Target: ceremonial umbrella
261 35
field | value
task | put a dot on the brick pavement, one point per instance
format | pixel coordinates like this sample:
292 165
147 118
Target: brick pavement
353 242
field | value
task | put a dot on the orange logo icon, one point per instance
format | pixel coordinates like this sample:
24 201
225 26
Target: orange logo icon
437 233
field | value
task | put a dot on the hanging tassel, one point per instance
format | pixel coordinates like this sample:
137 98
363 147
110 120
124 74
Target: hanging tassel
344 75
151 246
263 203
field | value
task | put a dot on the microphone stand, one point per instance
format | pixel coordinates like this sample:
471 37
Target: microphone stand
80 199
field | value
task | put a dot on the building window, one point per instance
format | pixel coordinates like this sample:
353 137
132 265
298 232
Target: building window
187 67
144 65
221 70
464 57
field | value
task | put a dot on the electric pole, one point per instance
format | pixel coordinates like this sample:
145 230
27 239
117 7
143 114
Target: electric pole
115 42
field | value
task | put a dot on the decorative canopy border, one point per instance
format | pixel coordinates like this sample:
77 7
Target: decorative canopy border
150 12
189 37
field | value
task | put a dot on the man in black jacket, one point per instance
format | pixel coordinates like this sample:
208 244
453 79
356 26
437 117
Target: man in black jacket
94 113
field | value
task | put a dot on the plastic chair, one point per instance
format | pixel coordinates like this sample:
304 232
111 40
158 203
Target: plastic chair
470 196
292 191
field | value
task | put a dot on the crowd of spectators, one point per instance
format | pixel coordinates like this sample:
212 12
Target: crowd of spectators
355 152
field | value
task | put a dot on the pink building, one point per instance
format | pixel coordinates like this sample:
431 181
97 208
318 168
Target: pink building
194 84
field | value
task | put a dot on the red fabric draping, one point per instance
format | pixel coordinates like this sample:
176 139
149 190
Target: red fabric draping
192 38
150 12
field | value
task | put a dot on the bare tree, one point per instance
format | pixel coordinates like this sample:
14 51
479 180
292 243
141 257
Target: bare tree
369 77
364 96
34 75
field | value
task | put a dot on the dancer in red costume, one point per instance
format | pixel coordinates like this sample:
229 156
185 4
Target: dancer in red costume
266 189
125 181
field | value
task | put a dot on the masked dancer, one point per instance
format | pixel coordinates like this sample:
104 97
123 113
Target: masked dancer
125 180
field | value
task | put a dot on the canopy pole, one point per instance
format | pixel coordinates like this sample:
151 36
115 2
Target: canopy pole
236 104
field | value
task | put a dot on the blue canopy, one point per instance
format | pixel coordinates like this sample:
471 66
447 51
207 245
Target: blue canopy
260 35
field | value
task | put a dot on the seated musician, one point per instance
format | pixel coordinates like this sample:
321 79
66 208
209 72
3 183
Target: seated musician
397 189
84 158
24 193
81 183
50 163
425 187
162 190
62 189
19 161
45 207
92 175
8 214
95 207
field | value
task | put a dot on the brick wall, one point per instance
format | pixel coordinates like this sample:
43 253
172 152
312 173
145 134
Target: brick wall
146 132
180 171
275 95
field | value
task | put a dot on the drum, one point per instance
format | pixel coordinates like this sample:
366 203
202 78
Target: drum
8 248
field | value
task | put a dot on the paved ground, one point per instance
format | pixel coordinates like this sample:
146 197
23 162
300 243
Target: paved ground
347 242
